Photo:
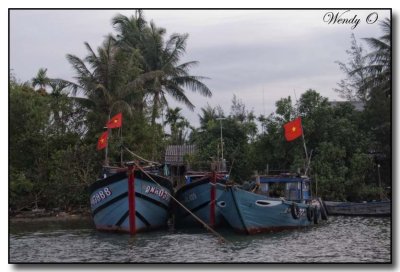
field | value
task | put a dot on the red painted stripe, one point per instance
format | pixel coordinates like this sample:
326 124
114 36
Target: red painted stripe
131 200
212 199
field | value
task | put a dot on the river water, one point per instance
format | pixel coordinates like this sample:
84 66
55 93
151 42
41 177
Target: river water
341 239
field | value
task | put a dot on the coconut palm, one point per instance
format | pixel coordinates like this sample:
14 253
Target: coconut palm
104 77
41 80
178 125
57 94
379 68
208 114
162 73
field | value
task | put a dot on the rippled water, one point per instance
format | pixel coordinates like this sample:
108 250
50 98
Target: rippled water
341 239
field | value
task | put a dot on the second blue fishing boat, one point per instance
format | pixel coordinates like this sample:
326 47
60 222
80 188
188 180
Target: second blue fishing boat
276 203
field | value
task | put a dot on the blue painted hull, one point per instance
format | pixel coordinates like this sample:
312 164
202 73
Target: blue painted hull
110 204
253 213
196 197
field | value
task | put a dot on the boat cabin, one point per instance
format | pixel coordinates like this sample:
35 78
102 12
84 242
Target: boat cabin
293 188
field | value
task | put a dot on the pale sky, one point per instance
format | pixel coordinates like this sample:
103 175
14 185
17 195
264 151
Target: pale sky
258 55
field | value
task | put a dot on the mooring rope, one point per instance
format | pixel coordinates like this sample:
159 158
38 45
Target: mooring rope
180 204
140 158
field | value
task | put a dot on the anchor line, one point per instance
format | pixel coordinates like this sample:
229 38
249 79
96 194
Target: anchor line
183 206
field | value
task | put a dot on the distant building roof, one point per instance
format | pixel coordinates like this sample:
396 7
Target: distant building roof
358 105
174 154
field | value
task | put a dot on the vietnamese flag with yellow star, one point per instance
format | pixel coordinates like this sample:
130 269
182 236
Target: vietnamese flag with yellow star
102 142
115 121
293 129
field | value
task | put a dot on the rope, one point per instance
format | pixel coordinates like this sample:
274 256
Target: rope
183 206
140 158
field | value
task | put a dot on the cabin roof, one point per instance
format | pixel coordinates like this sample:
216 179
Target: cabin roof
174 154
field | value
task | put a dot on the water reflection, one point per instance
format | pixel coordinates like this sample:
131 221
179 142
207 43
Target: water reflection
342 239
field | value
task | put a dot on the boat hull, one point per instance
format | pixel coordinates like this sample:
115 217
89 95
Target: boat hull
111 207
196 197
252 213
375 208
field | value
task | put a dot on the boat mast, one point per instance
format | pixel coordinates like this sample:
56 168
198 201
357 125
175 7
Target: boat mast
307 162
106 162
222 144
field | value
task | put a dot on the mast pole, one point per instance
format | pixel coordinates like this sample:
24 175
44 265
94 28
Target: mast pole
106 162
305 150
302 135
121 144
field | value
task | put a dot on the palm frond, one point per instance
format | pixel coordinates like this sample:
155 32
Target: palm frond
178 94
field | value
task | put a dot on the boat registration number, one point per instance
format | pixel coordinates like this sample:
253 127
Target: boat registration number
189 197
100 196
157 191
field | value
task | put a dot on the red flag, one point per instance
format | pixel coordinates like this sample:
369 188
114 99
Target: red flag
116 121
102 143
293 129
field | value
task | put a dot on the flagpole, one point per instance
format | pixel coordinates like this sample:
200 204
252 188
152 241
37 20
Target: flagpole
302 135
108 132
106 153
304 143
120 136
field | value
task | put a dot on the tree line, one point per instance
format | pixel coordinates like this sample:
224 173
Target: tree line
54 124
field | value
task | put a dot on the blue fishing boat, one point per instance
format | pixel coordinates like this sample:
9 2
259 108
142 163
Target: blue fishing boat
200 195
275 203
130 200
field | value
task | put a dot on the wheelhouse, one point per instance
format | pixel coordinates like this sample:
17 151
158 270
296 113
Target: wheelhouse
293 188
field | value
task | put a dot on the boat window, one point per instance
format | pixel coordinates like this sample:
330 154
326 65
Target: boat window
262 203
293 191
264 187
276 189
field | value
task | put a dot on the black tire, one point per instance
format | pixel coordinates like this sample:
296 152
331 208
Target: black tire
324 214
317 212
295 211
310 213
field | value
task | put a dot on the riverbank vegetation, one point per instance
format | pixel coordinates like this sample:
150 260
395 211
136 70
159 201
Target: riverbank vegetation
54 124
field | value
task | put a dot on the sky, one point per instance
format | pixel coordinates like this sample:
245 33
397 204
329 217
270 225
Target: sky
259 56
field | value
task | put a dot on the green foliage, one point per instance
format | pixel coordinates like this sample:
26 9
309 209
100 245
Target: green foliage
41 163
237 129
71 171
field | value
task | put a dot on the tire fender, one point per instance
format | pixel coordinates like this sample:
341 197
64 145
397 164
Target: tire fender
294 209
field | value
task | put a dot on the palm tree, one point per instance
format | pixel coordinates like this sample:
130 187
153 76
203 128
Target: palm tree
378 106
379 68
208 114
41 80
57 94
105 77
178 125
162 73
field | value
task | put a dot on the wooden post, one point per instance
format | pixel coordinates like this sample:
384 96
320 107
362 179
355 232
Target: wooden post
212 198
131 199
